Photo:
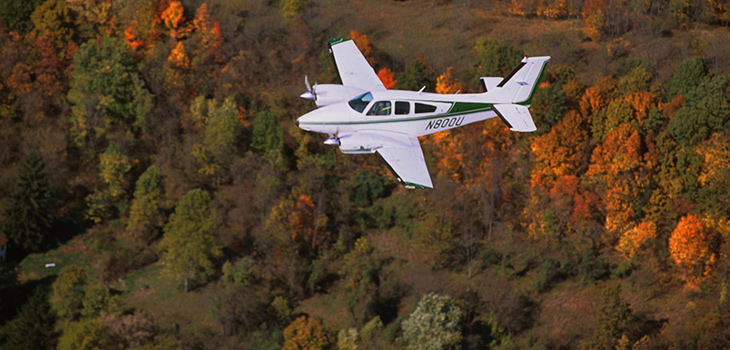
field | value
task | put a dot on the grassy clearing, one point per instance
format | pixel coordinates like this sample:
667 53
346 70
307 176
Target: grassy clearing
33 267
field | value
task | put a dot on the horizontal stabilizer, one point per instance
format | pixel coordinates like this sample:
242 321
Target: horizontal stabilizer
489 83
517 117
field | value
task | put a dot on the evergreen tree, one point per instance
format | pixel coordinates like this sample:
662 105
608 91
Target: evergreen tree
33 328
415 77
188 244
28 214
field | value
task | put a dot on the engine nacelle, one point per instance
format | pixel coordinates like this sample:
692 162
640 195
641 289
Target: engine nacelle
327 94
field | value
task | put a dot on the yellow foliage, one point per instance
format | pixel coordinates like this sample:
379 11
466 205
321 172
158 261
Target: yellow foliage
632 240
305 333
447 83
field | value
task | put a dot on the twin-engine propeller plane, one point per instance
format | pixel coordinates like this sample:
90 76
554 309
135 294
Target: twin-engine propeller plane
362 116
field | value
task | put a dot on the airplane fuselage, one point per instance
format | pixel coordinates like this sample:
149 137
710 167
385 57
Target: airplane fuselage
407 112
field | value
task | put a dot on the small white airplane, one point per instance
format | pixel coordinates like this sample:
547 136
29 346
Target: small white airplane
362 116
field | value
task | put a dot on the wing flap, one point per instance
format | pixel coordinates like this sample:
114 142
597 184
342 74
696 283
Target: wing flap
353 68
407 164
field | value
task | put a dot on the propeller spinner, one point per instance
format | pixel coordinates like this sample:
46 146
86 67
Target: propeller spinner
311 94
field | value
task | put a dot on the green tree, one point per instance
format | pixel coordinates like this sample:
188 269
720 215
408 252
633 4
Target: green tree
614 318
415 77
86 334
706 111
105 92
434 324
28 214
53 19
188 245
362 271
222 132
114 166
15 14
34 327
368 187
145 215
495 58
68 291
98 299
267 138
639 79
689 75
292 9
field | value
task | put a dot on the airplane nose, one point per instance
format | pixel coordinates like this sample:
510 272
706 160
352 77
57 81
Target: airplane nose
296 122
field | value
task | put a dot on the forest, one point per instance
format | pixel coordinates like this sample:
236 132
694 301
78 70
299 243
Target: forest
156 194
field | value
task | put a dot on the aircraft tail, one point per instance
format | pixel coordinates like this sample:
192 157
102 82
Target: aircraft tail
518 87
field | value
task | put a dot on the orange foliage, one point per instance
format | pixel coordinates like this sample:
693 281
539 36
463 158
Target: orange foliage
616 166
305 333
209 31
49 68
671 107
597 96
632 240
387 77
447 83
201 22
621 152
641 102
19 80
133 39
178 57
562 151
172 16
553 9
693 247
716 158
363 43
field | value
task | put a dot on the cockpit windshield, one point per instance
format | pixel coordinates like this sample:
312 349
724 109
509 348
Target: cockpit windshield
360 102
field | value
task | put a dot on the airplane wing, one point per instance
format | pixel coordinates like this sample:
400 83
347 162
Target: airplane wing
405 160
353 68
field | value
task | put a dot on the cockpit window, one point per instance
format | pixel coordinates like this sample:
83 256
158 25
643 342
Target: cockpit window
380 108
360 102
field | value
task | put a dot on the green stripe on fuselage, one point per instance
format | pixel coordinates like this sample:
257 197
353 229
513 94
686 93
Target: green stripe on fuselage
335 41
487 108
461 107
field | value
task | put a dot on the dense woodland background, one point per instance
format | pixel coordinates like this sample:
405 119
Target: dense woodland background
148 149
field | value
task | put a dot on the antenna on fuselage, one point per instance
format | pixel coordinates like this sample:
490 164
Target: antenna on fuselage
423 88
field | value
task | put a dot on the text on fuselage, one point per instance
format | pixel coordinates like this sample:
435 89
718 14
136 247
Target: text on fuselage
445 123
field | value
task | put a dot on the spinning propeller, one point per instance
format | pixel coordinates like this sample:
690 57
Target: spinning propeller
311 93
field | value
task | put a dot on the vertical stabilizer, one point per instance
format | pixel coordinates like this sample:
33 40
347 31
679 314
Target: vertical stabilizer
518 87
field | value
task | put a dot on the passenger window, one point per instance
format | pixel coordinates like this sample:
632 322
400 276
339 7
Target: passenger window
402 108
380 108
424 108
